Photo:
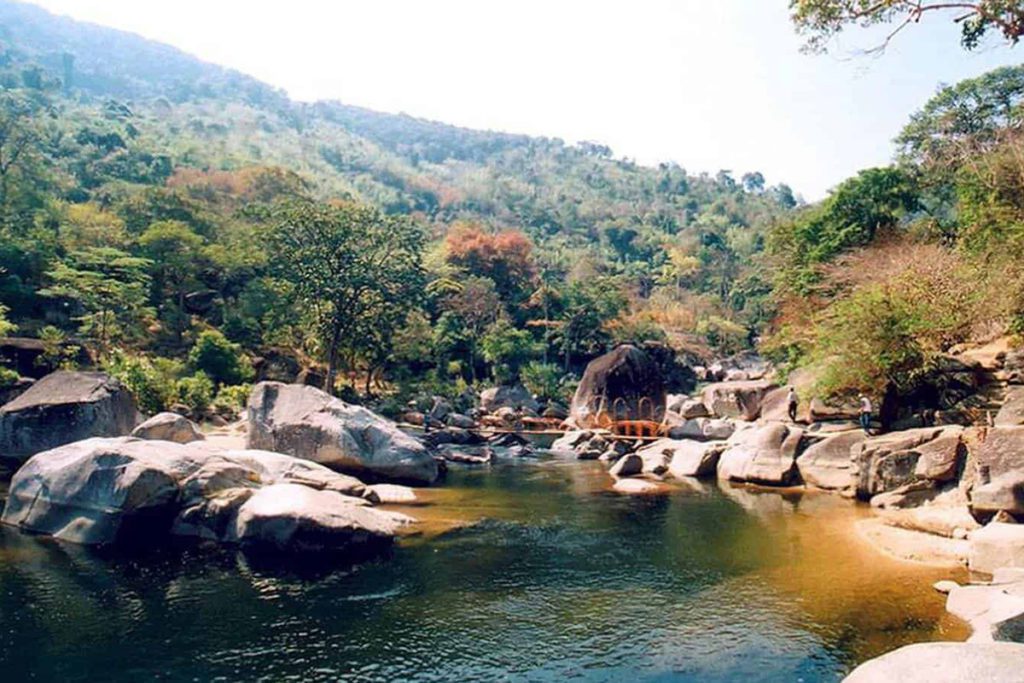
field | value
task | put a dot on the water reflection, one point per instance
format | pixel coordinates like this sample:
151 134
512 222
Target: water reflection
524 571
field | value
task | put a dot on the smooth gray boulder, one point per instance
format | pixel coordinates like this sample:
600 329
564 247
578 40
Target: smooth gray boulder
996 546
64 407
762 455
507 397
108 490
944 663
1004 493
687 458
169 427
295 518
740 400
826 464
308 423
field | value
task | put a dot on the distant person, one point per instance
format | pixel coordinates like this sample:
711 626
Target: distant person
865 414
792 401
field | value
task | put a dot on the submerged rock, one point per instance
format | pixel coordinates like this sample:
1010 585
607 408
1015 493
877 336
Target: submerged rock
168 427
108 490
64 407
308 423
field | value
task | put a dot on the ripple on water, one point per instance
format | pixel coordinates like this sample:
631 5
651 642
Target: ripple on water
553 580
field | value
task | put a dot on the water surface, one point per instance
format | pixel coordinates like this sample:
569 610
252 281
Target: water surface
524 571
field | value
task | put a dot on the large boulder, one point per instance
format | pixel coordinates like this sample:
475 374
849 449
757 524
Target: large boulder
762 455
19 386
507 397
108 490
998 459
1012 411
64 407
624 384
736 399
292 517
685 458
826 464
944 663
168 427
887 462
996 546
308 423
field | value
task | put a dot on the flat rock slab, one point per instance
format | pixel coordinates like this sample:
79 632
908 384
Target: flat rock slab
639 487
945 662
996 546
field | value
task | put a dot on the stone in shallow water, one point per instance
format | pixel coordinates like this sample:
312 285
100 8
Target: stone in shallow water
638 487
308 423
944 663
101 491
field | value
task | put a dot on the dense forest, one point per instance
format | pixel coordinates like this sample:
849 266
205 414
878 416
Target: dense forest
187 228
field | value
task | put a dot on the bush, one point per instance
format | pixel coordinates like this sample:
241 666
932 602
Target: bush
543 380
151 382
219 359
7 377
230 401
195 392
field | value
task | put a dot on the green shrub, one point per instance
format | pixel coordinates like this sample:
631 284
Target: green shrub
150 381
543 379
195 392
219 359
231 400
7 377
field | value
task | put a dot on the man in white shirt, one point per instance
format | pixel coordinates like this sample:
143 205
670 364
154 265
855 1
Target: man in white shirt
865 414
791 404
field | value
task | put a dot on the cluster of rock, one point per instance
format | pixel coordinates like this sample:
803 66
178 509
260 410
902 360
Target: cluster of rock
91 471
108 490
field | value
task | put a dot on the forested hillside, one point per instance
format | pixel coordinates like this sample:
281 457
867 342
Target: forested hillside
141 189
182 222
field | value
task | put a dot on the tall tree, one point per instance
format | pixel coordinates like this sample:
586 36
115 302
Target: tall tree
821 20
346 262
109 288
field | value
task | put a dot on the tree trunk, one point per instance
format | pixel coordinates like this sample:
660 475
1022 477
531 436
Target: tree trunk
332 360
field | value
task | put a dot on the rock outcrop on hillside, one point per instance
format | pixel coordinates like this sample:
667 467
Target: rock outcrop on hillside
308 423
64 407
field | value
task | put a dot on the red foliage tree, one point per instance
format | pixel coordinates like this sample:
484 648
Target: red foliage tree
505 257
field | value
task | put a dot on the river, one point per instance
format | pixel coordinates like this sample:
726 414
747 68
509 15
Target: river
523 571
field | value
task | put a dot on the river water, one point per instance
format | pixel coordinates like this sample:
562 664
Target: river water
524 571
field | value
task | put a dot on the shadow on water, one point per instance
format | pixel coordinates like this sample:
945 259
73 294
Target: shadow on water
523 571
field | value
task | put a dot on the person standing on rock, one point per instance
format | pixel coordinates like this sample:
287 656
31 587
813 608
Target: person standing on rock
865 414
791 403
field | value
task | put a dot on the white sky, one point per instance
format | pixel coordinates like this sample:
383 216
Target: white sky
710 84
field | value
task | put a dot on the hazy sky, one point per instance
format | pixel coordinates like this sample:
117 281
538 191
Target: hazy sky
710 84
